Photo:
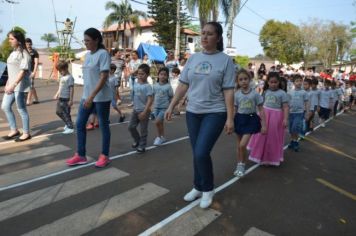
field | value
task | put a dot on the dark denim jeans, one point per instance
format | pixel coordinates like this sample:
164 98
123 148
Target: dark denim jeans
204 130
103 114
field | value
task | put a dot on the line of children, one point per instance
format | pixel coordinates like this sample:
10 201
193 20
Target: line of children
246 120
163 94
64 96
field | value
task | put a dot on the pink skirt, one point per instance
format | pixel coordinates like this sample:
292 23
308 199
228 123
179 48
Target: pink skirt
267 149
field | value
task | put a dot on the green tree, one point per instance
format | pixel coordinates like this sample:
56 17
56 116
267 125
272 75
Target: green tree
5 48
230 10
207 9
49 38
164 14
122 14
242 60
282 41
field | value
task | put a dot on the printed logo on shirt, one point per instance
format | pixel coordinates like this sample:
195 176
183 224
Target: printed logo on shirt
271 99
246 104
203 68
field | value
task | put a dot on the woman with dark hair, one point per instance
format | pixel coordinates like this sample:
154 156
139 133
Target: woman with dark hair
209 78
262 70
96 95
17 85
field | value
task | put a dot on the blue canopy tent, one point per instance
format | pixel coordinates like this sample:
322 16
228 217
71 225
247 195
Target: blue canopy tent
154 52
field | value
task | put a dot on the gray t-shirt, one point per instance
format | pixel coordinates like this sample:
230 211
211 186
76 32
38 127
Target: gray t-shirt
326 96
207 75
94 64
16 62
114 83
314 98
246 103
120 64
141 93
162 95
297 99
65 83
275 99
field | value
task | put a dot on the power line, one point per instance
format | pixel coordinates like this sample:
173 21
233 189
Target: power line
138 2
256 14
246 30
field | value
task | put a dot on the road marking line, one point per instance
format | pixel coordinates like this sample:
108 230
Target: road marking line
13 178
175 215
70 169
336 188
4 125
12 143
32 154
96 215
190 223
31 201
256 232
312 140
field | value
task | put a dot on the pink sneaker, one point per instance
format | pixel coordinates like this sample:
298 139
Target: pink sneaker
76 160
103 161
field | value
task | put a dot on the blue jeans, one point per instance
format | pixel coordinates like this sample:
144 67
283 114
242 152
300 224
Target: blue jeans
204 130
6 106
103 113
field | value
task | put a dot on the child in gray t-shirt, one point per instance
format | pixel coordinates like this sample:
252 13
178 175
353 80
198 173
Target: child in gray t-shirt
114 85
163 94
64 96
142 101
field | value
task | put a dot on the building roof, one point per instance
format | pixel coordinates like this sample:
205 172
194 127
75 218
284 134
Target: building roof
144 24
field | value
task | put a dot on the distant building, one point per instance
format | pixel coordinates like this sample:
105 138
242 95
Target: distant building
134 37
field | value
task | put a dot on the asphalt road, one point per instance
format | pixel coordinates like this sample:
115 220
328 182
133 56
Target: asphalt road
313 192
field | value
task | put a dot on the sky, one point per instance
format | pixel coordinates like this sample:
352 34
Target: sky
37 17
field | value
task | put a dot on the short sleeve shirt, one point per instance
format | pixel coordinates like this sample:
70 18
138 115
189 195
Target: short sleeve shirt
314 97
120 64
162 95
34 54
275 99
94 64
114 83
65 83
246 103
16 62
141 93
297 99
207 75
326 96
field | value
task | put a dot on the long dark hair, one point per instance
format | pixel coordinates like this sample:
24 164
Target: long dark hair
272 75
95 35
219 32
20 37
165 69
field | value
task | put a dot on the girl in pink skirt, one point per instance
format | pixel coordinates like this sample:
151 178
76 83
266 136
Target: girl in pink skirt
267 149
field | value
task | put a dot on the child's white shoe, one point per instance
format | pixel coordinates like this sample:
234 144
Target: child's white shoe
192 195
206 199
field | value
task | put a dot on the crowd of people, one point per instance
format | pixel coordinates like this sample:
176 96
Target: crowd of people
218 97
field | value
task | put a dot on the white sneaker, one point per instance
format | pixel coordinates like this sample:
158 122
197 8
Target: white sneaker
157 141
192 195
206 199
240 170
65 127
163 140
322 124
68 131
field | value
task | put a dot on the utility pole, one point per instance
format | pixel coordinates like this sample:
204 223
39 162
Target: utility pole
177 50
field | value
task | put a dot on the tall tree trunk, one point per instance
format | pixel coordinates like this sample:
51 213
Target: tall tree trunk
47 44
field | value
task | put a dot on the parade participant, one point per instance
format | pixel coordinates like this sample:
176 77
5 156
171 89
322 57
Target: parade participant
246 121
114 86
96 94
133 65
142 101
64 96
298 103
267 149
34 67
326 102
163 94
209 78
18 83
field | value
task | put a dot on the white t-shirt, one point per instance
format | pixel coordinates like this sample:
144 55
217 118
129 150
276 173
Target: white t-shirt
94 64
16 62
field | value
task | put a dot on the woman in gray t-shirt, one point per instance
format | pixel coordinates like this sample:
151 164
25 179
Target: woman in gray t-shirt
209 79
18 83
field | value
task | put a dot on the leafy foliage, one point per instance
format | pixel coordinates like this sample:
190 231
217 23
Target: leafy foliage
49 38
164 14
242 60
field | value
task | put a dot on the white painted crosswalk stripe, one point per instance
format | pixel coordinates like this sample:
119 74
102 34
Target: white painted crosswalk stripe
33 172
11 144
190 223
4 125
256 232
28 202
94 216
31 154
